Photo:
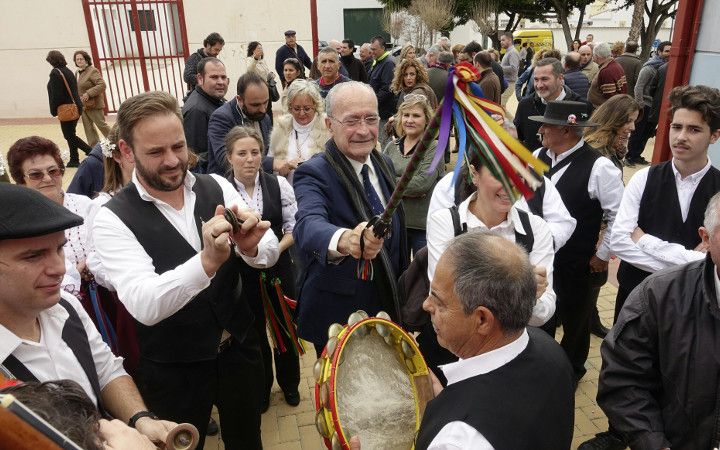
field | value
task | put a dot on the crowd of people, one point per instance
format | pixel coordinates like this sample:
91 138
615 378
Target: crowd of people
156 281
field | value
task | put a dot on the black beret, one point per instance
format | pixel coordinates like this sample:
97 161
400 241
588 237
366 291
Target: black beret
27 213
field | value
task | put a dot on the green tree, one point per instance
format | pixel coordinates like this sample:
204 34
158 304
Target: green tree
655 13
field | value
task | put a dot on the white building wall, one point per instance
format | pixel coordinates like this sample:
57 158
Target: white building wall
31 28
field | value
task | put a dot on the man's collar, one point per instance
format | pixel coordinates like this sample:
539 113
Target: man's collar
9 341
693 176
566 153
383 56
210 98
145 195
560 97
357 165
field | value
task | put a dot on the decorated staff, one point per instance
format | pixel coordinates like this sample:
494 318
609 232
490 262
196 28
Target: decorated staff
465 106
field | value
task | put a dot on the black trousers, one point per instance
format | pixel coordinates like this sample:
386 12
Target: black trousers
643 131
287 364
629 277
186 392
575 299
74 141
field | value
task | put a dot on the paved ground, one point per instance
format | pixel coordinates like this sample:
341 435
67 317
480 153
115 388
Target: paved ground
288 428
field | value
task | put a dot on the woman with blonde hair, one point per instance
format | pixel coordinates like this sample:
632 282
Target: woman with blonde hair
616 120
412 77
411 120
407 52
300 132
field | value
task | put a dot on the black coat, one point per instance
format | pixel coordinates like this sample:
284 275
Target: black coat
533 106
190 71
57 92
355 68
196 112
381 77
659 378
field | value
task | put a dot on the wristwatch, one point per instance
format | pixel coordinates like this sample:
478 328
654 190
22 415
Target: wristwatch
139 415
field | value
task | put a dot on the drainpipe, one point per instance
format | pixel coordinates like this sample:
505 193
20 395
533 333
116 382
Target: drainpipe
314 26
682 51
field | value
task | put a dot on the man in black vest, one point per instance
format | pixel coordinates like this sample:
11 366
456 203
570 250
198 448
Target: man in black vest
662 208
591 188
174 259
45 333
512 387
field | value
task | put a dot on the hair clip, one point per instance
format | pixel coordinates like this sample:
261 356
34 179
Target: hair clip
107 147
572 119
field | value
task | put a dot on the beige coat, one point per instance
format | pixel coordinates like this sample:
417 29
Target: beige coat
90 82
280 136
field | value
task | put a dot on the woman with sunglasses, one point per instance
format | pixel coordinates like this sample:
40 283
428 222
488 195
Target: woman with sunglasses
35 162
300 132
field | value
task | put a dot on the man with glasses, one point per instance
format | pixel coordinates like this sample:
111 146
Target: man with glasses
338 192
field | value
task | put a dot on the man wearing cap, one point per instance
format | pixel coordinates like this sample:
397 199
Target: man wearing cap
45 333
168 248
291 49
591 188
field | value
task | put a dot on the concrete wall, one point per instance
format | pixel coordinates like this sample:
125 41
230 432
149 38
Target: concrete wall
31 28
707 60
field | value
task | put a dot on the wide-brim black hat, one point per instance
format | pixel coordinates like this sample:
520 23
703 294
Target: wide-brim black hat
27 213
567 114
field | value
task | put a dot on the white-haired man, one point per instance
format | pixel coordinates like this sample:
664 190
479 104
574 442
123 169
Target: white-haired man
610 79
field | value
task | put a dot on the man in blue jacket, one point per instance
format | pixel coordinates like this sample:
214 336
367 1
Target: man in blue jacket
291 49
381 77
338 191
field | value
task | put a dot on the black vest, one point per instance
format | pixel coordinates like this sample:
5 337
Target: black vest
193 333
74 335
272 212
526 404
573 188
659 214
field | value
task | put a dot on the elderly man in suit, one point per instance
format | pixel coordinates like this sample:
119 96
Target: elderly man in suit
337 192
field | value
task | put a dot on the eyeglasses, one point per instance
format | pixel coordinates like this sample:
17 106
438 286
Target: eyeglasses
37 175
352 122
299 109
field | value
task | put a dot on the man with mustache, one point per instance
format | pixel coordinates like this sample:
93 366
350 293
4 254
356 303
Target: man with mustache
662 208
248 108
174 259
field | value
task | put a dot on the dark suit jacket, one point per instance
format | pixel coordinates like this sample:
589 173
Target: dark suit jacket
331 292
223 120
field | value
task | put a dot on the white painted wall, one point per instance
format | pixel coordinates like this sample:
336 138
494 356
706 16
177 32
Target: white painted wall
31 28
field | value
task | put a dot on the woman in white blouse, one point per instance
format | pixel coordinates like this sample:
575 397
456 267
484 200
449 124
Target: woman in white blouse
490 208
301 132
274 198
35 162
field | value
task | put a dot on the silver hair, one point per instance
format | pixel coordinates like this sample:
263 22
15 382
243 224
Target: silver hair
446 57
492 272
339 91
329 51
712 213
602 50
301 87
444 42
433 50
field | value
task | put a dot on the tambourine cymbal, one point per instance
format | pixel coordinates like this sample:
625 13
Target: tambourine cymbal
371 381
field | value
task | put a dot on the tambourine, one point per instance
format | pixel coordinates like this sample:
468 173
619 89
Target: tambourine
371 381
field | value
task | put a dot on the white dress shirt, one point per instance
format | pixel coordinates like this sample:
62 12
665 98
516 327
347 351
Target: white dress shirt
92 261
605 185
52 359
440 232
150 297
458 435
651 253
375 181
287 200
555 213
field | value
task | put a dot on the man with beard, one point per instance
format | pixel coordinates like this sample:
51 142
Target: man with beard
548 78
249 108
212 46
174 259
209 95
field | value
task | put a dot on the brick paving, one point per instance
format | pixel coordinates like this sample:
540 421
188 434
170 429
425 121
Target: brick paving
292 428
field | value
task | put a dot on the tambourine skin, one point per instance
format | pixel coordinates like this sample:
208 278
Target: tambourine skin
328 420
183 436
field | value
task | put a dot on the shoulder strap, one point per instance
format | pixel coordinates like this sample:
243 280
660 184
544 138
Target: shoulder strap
76 338
459 228
67 86
18 369
526 241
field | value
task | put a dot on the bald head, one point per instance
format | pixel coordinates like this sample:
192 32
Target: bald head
572 61
586 54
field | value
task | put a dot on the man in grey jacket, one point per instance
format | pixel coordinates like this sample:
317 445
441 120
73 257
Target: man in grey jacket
510 64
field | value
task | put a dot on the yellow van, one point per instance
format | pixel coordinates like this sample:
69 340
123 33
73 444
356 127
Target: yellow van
536 38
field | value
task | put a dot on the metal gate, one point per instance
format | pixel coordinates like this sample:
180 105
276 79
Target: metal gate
138 46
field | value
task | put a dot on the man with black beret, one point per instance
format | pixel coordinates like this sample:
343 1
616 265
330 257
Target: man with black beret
45 333
291 49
